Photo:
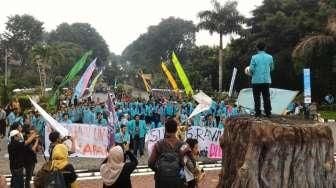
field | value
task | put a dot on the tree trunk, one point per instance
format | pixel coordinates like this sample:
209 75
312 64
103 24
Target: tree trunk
220 66
40 74
279 152
44 79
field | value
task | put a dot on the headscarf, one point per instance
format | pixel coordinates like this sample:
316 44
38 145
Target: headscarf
59 157
111 170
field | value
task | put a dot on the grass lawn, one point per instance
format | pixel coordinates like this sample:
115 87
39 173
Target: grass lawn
328 114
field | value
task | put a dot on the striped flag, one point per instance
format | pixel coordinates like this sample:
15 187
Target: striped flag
112 118
93 85
83 82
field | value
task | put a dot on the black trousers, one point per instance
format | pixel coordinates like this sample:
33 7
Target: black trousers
138 145
17 180
263 89
3 127
29 169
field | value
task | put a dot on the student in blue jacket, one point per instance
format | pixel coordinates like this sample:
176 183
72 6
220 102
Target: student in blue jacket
122 138
154 125
221 124
66 119
261 66
101 121
138 130
86 115
169 110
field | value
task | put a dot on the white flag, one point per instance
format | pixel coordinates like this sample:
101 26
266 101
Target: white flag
52 122
204 103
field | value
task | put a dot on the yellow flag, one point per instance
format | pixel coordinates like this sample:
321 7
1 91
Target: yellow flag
170 77
182 75
144 79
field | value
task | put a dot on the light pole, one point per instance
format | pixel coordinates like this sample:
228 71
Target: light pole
6 79
6 67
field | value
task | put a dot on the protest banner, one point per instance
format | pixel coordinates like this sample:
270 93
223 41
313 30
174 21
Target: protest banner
208 140
152 137
280 99
91 141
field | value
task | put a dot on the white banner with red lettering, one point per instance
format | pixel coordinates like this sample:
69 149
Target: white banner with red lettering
208 139
90 141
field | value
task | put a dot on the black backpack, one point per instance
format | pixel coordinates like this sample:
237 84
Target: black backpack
169 164
55 180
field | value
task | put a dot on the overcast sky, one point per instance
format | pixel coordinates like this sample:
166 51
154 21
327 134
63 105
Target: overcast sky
119 21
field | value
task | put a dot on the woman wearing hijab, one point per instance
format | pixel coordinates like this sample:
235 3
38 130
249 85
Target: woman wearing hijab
116 172
60 162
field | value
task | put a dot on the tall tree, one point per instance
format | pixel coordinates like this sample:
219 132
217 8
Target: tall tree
171 34
320 47
22 33
84 35
223 19
45 56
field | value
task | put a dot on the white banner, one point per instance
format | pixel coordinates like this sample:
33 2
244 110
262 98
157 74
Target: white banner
280 99
208 139
91 141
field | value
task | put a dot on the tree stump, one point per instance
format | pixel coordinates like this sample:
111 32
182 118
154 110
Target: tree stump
276 152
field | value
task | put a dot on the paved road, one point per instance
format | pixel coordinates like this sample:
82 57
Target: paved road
210 181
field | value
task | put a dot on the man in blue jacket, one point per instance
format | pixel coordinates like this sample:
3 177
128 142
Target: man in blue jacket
138 130
260 68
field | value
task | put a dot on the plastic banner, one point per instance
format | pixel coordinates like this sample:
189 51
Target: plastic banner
208 139
91 141
280 99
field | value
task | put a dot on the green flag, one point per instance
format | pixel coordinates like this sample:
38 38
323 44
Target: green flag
70 76
183 77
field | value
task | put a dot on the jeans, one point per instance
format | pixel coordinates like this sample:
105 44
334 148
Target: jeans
138 144
264 90
29 169
17 178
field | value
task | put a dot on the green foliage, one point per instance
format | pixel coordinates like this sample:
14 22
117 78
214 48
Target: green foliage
22 33
327 107
282 25
85 36
223 19
171 34
328 114
200 66
56 58
114 70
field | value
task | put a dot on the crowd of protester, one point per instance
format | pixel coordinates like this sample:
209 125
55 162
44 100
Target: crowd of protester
135 118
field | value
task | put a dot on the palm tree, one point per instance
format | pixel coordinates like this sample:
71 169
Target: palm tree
45 56
311 48
223 19
322 40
